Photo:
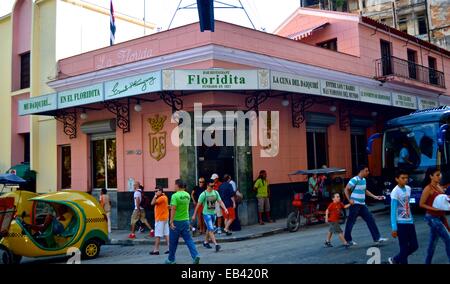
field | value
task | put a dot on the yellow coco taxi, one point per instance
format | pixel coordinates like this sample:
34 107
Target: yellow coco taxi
51 224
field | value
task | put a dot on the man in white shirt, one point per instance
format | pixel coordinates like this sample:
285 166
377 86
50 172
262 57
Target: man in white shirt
138 212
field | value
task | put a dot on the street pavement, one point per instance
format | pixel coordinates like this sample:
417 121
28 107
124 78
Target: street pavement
302 247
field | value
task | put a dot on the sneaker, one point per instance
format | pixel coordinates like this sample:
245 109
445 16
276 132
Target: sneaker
131 236
328 245
152 233
381 240
166 252
218 248
347 245
261 222
352 243
207 245
169 262
196 260
154 252
228 233
391 260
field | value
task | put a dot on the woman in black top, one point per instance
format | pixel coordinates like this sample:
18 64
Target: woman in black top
195 195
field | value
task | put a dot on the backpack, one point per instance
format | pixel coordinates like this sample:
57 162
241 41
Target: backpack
145 201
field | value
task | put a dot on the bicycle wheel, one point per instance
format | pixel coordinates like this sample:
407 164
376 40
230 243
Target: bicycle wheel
293 223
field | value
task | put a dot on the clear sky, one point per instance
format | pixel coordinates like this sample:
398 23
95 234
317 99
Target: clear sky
266 14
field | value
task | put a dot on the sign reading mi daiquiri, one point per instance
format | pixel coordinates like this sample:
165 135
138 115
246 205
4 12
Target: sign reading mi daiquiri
38 104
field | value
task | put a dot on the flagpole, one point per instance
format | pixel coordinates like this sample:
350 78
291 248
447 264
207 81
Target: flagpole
144 20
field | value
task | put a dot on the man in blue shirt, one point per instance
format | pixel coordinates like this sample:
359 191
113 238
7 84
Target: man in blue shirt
227 194
357 187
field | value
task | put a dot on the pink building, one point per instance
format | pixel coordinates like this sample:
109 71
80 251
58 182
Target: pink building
334 78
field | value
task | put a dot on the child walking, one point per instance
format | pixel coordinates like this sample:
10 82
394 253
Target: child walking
402 222
332 216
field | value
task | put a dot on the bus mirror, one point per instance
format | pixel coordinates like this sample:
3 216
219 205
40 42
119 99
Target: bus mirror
441 135
370 141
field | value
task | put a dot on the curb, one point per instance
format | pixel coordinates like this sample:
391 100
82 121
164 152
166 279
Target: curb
127 242
200 241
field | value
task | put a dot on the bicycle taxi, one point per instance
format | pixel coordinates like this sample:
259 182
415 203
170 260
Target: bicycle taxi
310 208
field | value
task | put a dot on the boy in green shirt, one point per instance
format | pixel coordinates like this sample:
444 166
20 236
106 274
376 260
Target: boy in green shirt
179 223
208 199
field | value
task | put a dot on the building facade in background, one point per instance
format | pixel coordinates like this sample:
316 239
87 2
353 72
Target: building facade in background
425 19
332 78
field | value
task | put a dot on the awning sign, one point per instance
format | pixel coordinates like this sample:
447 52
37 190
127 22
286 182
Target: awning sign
404 101
215 79
427 103
131 86
340 90
38 104
80 96
293 83
375 97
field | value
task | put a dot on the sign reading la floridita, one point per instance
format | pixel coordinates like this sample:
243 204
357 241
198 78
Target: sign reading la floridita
215 79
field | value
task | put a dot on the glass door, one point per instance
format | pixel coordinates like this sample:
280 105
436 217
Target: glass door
104 163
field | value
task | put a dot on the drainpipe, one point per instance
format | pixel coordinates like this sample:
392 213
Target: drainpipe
428 21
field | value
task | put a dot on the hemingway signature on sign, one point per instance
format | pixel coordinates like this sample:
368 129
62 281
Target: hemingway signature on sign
142 83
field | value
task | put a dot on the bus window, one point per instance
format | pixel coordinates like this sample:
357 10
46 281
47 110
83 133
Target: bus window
411 147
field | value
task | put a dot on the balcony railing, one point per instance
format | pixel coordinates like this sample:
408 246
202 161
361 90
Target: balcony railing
391 65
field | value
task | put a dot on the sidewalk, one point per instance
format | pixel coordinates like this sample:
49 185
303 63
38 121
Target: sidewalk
120 237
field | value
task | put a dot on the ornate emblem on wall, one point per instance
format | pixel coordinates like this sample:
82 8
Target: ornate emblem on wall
157 137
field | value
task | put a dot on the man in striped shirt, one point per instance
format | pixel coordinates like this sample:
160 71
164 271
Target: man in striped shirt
356 192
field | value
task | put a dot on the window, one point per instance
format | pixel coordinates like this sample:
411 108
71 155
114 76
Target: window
386 57
25 70
329 44
359 156
104 163
412 67
403 25
317 147
432 64
422 25
66 168
26 147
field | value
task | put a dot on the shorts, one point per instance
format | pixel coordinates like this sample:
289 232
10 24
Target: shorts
335 228
135 218
218 210
231 213
263 204
161 228
210 219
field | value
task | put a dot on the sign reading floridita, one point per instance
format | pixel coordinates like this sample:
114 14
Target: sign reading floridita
215 79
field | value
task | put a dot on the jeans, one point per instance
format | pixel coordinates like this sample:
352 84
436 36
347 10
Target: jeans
437 230
407 239
210 220
360 210
181 229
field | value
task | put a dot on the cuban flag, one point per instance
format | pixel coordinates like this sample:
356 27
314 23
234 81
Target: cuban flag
112 25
